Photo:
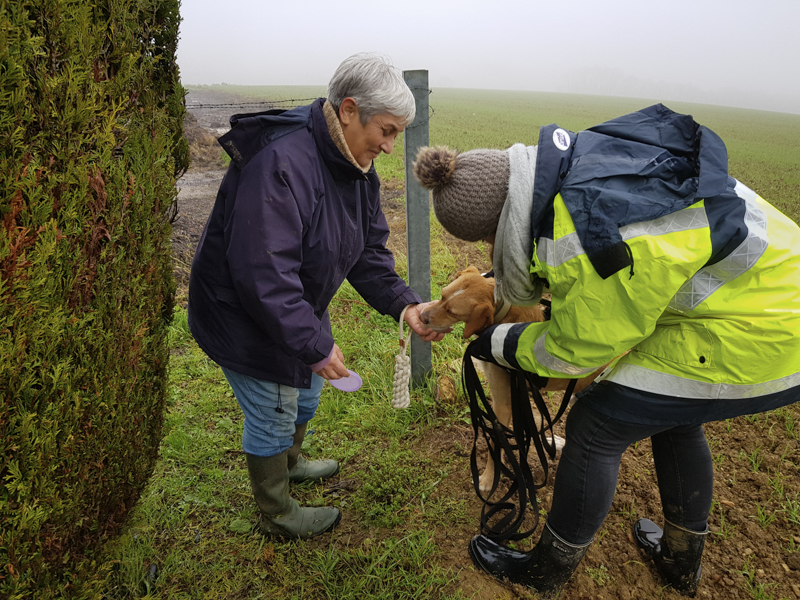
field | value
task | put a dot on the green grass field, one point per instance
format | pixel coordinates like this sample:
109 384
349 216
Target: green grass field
191 534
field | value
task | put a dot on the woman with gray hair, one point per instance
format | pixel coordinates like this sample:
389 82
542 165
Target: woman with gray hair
297 213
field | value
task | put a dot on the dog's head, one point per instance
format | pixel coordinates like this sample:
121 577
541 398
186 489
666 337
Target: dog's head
469 299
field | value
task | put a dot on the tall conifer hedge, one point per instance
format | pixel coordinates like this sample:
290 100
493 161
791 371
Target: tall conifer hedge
90 147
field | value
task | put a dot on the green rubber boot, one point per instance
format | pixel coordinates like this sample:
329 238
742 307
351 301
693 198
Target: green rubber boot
301 469
280 514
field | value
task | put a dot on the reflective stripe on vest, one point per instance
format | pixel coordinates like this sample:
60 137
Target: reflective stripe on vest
555 253
709 279
498 343
641 378
543 357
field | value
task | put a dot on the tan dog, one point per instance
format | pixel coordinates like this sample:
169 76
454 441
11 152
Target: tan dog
469 299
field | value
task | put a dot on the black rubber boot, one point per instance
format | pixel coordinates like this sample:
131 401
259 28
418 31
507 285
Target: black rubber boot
280 514
300 469
676 552
546 568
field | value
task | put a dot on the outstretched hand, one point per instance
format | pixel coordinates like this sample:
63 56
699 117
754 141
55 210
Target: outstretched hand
417 326
335 368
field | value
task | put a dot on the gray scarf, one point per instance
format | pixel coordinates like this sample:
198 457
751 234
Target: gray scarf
513 246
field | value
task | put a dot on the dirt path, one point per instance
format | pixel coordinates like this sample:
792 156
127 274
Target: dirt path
753 550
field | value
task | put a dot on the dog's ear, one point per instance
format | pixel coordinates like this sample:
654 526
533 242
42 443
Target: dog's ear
469 269
482 316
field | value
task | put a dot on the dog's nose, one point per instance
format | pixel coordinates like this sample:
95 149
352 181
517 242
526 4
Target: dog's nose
423 316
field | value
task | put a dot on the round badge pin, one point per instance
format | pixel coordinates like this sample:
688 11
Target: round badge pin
347 384
561 139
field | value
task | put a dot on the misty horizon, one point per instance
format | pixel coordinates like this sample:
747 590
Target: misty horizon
733 53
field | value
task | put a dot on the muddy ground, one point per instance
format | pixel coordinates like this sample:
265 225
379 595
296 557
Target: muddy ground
753 549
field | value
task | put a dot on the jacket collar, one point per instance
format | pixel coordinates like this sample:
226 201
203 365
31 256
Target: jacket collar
340 166
337 135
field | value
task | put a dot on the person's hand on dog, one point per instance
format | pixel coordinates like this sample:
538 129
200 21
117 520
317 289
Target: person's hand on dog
334 368
418 327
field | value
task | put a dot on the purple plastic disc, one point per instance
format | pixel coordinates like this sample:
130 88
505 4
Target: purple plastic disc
347 384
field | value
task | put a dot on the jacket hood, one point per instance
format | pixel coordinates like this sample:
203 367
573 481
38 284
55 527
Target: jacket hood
251 132
635 168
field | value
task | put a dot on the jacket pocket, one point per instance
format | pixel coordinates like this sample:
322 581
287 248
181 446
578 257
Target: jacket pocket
687 343
228 296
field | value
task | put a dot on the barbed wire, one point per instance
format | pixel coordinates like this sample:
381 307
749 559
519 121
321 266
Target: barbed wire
273 103
425 122
248 104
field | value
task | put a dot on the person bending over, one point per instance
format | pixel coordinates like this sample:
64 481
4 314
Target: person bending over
647 245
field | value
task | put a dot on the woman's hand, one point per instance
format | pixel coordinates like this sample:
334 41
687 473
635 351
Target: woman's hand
334 369
418 327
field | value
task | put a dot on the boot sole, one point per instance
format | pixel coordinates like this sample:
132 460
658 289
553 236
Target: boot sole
282 535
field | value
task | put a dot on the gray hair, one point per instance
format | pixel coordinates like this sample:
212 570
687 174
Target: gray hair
375 85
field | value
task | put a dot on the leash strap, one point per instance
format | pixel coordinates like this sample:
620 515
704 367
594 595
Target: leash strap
502 519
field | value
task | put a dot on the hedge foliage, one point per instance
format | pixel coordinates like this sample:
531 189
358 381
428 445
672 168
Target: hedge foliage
91 108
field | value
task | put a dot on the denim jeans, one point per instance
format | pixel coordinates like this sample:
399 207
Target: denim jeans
587 473
271 411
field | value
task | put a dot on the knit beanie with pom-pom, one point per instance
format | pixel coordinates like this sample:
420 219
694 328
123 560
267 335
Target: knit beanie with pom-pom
468 189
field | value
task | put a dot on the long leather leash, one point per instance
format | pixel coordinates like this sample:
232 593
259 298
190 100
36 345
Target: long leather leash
503 518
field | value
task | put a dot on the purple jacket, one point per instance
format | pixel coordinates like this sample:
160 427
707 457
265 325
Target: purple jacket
293 218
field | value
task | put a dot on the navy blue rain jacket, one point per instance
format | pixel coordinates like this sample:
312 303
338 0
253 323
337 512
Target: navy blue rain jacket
293 218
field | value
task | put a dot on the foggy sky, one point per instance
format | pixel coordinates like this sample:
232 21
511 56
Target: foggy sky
736 53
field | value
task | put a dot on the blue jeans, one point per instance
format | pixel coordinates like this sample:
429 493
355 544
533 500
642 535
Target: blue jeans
587 473
271 411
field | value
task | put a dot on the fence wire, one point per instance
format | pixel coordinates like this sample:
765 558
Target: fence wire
264 103
269 104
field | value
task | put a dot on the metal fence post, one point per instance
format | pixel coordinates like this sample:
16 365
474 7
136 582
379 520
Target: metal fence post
418 225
